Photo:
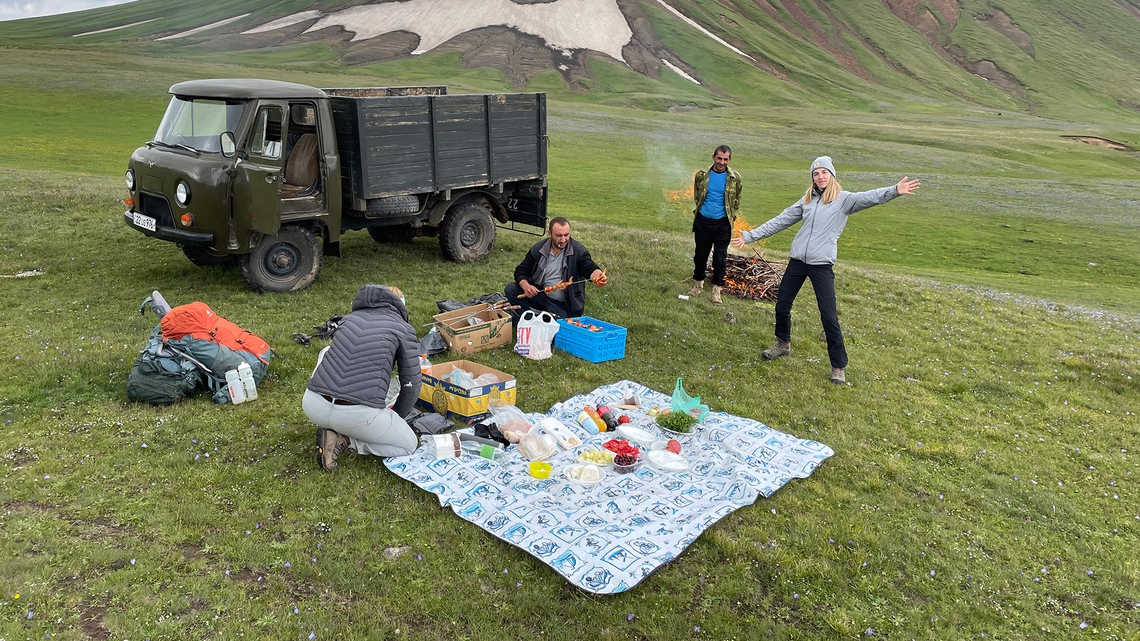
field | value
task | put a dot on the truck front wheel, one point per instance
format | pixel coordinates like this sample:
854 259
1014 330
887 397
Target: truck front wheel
467 232
205 257
288 262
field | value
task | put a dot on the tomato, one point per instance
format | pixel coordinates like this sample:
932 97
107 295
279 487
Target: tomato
674 446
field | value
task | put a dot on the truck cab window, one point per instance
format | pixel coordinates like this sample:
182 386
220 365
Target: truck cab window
265 141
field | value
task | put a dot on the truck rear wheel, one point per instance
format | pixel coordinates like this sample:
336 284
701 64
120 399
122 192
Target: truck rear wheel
206 257
467 232
288 262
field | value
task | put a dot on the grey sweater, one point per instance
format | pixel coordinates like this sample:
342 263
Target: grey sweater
358 365
815 243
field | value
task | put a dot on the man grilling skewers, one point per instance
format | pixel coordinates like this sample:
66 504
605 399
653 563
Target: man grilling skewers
552 276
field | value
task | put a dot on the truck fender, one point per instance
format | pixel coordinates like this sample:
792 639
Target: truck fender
440 209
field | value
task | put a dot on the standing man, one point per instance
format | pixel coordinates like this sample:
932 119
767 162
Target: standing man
549 262
716 191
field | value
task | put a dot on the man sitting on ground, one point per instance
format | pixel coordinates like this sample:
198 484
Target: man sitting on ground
548 263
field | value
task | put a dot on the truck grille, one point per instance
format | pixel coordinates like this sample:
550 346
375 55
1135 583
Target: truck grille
157 207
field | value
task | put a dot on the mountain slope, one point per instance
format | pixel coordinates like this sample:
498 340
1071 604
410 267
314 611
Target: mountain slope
1055 58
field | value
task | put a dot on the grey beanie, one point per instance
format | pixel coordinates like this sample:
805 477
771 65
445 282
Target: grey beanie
825 162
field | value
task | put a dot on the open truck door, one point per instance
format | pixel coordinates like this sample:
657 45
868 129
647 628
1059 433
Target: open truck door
257 174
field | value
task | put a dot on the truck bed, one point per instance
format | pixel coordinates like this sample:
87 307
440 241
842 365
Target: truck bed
393 145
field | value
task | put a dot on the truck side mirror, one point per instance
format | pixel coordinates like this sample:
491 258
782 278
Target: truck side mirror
228 146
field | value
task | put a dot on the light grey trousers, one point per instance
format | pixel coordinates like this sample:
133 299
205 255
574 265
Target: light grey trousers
379 432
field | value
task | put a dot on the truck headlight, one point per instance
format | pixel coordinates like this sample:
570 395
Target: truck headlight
182 194
130 180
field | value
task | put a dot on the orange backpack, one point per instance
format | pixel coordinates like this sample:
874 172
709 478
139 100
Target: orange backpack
197 320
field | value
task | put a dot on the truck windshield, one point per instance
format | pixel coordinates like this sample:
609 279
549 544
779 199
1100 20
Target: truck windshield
197 122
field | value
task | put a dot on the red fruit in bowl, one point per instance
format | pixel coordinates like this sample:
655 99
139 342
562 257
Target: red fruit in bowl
674 446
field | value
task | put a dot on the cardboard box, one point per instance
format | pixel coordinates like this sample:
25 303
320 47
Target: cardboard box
444 397
493 328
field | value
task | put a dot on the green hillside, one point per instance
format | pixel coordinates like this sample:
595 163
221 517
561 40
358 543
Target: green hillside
1054 58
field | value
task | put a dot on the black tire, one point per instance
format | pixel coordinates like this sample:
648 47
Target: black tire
206 257
287 262
392 234
467 232
392 206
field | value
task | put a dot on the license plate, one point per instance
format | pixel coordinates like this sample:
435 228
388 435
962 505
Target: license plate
146 222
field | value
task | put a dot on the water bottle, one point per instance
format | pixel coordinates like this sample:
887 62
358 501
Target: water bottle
425 365
587 423
249 386
492 452
234 387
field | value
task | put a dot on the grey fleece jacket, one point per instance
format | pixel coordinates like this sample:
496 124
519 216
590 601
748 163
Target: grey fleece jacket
815 242
358 366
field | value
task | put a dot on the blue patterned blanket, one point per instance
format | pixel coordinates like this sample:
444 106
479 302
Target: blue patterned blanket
607 537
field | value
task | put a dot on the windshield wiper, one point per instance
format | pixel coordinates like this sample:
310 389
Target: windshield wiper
177 145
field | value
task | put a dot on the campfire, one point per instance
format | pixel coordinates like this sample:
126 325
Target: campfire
753 277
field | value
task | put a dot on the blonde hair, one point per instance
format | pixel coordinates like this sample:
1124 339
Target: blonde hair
395 290
829 194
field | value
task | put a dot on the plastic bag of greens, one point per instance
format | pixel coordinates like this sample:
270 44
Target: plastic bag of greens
690 405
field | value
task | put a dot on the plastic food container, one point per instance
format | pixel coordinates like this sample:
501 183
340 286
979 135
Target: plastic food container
666 461
540 469
584 474
602 453
560 432
635 435
626 469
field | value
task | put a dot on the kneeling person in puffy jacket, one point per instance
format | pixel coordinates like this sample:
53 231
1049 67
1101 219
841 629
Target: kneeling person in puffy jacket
346 393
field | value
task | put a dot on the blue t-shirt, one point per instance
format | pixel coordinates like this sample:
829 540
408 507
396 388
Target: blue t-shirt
713 206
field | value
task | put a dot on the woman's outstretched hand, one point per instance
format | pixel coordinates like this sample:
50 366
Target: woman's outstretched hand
906 187
737 242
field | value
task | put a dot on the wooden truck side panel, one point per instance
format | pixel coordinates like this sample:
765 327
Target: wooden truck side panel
399 145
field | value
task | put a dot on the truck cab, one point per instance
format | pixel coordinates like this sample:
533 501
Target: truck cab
253 172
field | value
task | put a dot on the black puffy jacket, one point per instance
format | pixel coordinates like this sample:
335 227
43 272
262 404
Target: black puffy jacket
578 265
358 365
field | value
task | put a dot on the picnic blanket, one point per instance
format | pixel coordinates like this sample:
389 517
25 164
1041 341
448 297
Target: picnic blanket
607 537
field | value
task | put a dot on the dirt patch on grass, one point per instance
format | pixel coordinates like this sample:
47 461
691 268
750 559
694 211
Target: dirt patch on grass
91 621
1001 23
1102 142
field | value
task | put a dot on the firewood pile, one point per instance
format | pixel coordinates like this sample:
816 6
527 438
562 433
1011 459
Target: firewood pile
753 277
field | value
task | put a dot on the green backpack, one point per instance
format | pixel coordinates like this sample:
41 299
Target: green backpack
163 374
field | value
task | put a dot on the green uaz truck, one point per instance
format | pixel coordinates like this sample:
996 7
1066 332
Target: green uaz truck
270 174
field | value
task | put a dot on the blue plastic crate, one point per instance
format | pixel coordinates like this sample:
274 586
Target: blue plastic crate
596 347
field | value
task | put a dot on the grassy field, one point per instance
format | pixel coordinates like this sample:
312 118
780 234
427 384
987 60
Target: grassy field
985 473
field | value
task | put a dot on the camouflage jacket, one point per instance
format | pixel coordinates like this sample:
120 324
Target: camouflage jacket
732 187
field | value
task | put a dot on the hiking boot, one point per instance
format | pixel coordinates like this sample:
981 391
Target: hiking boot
716 296
837 376
329 446
779 350
697 289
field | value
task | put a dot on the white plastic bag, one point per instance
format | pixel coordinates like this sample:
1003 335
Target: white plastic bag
535 333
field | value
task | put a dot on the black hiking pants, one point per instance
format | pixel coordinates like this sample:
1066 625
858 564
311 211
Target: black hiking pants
823 282
711 234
